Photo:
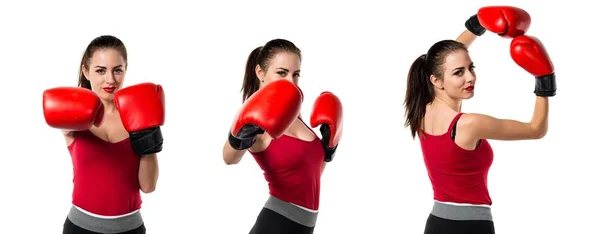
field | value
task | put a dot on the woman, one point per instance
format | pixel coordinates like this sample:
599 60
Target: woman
113 159
454 144
292 158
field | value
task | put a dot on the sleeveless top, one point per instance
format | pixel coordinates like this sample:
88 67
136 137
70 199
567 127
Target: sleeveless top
457 175
105 175
292 169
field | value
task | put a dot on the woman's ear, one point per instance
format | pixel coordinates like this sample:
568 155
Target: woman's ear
437 83
86 73
260 73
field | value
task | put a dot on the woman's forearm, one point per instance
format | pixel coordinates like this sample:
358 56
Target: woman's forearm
467 38
232 156
539 120
148 173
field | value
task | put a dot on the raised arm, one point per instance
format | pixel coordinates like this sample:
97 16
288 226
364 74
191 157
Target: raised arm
529 53
487 127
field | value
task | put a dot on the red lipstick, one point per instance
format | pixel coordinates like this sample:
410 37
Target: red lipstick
470 88
109 89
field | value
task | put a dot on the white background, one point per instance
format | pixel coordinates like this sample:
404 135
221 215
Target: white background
360 51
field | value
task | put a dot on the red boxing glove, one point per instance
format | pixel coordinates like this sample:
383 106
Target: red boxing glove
72 108
328 112
142 111
272 108
506 21
530 54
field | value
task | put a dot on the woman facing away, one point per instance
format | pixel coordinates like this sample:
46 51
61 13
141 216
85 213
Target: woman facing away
113 135
270 127
454 144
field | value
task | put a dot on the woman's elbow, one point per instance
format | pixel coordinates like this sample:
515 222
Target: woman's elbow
229 160
540 133
148 188
230 157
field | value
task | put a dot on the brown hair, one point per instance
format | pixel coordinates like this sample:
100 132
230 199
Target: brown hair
419 89
101 42
262 56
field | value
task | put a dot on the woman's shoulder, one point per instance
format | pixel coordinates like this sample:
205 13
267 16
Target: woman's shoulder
473 120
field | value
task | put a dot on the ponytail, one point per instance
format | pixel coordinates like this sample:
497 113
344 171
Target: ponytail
419 93
251 81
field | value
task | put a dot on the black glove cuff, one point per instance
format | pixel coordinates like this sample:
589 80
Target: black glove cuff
473 25
240 144
329 152
147 141
545 86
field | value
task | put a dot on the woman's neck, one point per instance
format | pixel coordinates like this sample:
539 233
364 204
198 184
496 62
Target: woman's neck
454 104
109 107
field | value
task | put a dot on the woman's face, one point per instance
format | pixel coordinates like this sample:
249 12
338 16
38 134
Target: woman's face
283 65
106 73
459 76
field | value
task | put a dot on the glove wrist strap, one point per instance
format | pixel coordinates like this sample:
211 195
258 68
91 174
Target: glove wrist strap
473 25
329 153
240 144
545 86
147 141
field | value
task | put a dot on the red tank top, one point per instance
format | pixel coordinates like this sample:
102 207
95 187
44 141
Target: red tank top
457 175
292 168
105 175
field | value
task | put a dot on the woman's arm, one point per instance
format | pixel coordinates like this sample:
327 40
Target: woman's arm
467 38
474 30
234 147
481 126
148 173
232 156
530 54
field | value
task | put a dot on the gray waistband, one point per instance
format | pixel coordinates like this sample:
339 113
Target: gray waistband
292 212
455 212
101 225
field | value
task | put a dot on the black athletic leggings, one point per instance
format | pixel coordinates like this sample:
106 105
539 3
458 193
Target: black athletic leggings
70 228
437 225
270 222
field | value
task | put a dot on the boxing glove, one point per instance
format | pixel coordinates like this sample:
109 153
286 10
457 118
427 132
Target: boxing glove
328 113
506 21
142 111
530 54
272 108
72 108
